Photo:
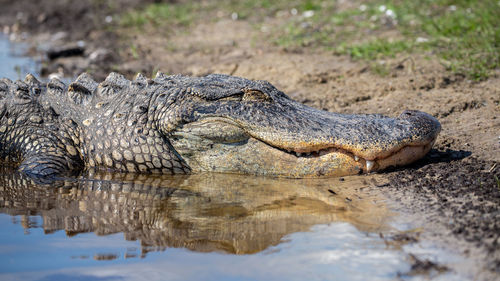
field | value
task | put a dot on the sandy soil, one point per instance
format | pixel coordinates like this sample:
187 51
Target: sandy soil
454 182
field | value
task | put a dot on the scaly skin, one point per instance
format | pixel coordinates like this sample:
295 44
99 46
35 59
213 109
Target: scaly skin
179 124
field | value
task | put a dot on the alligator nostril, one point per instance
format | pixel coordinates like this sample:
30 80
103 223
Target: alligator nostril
408 113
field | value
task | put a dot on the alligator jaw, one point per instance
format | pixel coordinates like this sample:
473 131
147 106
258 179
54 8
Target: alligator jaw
403 156
332 162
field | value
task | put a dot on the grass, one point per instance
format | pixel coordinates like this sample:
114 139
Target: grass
376 49
160 14
134 51
184 13
463 34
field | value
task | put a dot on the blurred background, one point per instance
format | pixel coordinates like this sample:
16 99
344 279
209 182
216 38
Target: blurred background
133 35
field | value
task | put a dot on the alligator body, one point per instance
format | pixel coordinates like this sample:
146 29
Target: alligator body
179 124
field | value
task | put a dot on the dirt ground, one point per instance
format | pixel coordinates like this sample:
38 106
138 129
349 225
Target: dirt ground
453 190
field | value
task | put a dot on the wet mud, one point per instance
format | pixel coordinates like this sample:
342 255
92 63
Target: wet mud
457 193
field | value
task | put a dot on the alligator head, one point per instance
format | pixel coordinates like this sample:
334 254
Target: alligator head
230 124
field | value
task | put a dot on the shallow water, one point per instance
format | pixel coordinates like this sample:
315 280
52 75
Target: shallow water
186 227
103 226
13 64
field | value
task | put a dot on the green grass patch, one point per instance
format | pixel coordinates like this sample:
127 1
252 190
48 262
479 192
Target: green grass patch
184 13
376 49
159 14
464 34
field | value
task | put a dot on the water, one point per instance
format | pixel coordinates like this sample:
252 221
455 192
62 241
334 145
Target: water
218 227
200 227
13 64
298 259
104 226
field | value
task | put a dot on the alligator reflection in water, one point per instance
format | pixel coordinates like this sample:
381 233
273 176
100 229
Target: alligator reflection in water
201 212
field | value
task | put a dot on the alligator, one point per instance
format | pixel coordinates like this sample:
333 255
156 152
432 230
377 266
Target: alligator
179 124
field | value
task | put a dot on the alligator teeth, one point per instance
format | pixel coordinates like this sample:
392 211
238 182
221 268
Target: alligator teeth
369 165
323 152
356 158
308 154
298 154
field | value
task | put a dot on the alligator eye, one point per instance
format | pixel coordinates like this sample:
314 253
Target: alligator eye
233 97
255 95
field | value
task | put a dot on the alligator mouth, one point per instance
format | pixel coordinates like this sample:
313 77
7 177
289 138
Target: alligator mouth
403 156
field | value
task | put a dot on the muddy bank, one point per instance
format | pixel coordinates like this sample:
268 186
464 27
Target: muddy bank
455 198
452 193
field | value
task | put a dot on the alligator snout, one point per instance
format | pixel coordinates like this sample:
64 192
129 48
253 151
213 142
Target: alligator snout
424 127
